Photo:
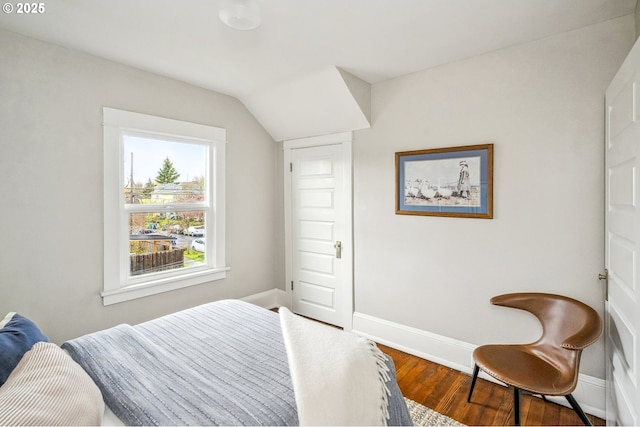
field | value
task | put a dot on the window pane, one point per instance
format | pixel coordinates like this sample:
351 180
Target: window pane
166 241
158 171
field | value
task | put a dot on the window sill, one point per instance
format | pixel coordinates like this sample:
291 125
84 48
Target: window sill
153 287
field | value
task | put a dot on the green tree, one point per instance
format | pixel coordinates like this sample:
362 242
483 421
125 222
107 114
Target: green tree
148 189
167 173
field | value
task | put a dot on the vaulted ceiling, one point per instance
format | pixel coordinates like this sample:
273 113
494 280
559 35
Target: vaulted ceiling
312 47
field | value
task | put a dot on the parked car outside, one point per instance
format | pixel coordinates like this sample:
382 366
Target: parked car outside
196 230
198 245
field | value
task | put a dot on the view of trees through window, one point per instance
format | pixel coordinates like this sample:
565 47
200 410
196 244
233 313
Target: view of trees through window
165 194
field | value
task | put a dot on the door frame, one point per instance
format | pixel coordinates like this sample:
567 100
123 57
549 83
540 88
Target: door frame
345 139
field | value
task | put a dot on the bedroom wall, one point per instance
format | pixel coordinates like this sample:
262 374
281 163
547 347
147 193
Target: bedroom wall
51 258
541 105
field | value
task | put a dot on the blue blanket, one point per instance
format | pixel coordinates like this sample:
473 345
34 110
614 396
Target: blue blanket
222 363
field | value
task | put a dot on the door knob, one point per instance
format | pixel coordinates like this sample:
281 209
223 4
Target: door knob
605 277
338 246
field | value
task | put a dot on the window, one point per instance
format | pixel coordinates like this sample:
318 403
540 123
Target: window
164 212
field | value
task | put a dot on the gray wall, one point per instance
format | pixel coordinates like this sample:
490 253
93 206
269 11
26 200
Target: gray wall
541 105
51 256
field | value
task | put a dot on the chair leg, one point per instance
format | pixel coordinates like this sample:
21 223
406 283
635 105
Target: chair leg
516 406
578 410
476 369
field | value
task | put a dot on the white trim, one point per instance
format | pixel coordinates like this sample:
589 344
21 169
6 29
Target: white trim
455 354
346 140
437 348
162 125
168 284
118 285
288 232
315 141
268 299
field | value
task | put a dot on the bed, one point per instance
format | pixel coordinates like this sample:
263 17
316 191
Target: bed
232 363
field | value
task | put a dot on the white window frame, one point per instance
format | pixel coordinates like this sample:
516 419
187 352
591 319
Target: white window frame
119 286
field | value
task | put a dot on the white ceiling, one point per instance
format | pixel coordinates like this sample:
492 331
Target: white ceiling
374 40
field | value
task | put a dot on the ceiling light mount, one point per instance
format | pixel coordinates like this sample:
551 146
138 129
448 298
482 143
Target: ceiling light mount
240 14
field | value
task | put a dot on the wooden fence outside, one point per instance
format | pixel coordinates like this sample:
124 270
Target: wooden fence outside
156 261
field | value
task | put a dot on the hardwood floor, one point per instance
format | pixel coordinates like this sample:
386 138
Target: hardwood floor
445 390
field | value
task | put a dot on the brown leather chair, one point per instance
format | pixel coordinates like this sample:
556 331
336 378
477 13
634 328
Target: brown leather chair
549 366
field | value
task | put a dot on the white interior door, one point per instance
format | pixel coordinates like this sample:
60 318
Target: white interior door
319 224
622 234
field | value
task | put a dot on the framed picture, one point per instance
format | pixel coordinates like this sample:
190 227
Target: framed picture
454 181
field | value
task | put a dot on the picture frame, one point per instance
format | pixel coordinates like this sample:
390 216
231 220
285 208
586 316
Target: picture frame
451 182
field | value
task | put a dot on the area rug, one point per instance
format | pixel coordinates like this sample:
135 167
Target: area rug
423 416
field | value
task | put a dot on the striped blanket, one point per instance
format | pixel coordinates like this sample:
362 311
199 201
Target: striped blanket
222 363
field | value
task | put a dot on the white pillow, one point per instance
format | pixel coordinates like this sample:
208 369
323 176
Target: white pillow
48 387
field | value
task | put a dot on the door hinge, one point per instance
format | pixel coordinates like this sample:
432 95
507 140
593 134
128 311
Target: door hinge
292 285
290 167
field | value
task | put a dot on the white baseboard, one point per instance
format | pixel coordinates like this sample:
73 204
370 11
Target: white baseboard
590 392
268 299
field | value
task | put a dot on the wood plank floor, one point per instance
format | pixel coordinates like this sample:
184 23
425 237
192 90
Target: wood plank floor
445 390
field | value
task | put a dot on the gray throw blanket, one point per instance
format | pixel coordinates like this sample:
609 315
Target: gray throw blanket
222 363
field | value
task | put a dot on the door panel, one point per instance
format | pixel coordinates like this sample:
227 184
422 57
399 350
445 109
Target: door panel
622 232
322 296
320 215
